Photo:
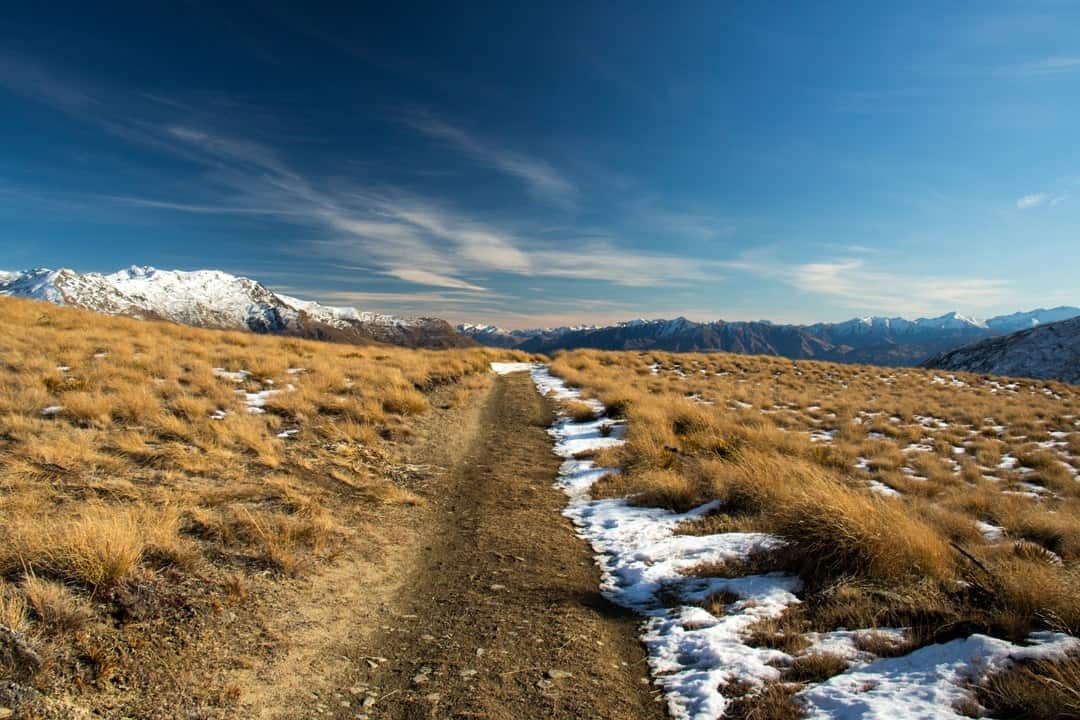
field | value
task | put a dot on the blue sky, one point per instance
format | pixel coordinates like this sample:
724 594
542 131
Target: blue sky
572 162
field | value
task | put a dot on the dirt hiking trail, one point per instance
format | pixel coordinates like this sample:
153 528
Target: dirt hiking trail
497 614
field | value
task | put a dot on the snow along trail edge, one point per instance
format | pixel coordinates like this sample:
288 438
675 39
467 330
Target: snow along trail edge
692 653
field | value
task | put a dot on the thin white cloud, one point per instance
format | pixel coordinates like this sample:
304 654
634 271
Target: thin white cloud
896 293
540 177
601 260
1036 199
1043 66
1032 200
31 80
424 277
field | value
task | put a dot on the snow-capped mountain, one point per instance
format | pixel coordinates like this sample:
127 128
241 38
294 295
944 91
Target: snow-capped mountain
1048 351
215 299
873 340
1034 318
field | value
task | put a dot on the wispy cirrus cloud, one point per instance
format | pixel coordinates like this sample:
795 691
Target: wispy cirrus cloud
404 236
865 287
1043 66
32 80
426 277
1032 200
538 175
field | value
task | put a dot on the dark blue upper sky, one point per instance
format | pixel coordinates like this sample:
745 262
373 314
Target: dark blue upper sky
537 163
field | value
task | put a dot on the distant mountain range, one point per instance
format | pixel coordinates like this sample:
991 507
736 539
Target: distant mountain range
1050 351
215 299
871 340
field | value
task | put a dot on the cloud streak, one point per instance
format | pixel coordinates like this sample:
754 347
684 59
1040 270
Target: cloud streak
862 287
539 176
404 236
1030 201
1044 66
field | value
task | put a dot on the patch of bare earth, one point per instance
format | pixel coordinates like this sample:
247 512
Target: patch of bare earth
480 603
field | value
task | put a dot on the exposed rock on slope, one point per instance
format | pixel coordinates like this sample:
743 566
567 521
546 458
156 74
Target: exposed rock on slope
1047 352
215 299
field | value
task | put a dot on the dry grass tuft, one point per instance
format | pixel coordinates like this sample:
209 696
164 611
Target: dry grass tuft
815 667
771 701
1033 690
13 608
56 607
98 548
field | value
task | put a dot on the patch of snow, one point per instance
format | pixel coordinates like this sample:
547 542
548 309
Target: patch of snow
993 533
257 400
691 652
882 489
237 376
505 368
842 642
927 683
52 410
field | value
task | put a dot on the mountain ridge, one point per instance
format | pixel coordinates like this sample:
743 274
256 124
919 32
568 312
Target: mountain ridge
216 299
872 339
1045 352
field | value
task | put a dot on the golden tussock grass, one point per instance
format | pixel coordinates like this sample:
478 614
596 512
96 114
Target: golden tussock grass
791 448
1038 690
56 607
98 548
143 458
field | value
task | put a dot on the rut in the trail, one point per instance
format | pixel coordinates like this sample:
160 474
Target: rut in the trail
503 618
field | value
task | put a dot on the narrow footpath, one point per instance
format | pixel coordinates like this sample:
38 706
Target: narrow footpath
502 618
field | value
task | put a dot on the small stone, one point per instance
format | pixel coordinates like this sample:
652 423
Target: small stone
368 701
555 674
496 587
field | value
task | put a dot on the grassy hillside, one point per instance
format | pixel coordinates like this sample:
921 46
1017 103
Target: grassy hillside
946 504
154 478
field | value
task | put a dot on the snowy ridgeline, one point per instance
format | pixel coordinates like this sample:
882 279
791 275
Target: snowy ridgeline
693 653
201 297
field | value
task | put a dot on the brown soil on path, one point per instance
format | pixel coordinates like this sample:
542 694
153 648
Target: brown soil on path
501 617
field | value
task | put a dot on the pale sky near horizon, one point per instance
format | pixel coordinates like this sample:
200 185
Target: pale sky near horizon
576 162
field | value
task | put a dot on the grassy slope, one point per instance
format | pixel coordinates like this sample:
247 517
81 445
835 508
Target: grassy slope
139 497
793 448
